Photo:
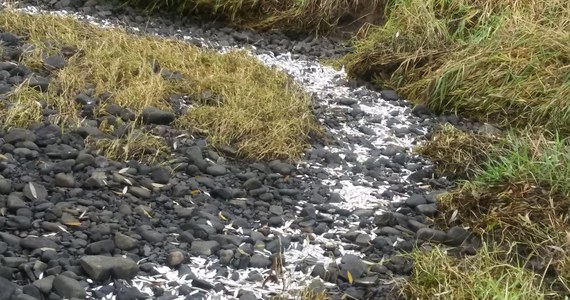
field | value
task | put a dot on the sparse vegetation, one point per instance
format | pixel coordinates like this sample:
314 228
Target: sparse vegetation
260 112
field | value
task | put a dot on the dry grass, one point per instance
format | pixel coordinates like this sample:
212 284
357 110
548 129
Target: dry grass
22 107
138 145
262 113
288 15
504 61
530 220
456 153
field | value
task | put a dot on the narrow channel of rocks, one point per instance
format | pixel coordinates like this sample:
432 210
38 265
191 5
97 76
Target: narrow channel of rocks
75 224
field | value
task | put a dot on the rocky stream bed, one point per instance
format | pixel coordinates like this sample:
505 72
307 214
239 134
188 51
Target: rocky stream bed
203 226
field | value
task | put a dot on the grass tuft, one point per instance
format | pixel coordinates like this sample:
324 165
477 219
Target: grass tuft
437 275
457 153
262 113
138 145
22 107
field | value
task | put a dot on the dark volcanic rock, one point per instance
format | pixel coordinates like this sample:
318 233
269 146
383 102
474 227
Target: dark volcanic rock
153 115
7 288
68 287
31 243
99 268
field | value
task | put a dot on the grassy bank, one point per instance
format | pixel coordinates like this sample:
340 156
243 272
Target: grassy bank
504 62
287 15
517 200
236 100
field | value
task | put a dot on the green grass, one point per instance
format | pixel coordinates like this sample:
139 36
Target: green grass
534 158
504 62
483 276
260 112
499 61
516 198
287 15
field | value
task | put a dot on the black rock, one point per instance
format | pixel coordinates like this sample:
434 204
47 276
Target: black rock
15 201
385 219
129 293
247 295
19 135
281 167
252 184
216 170
32 243
153 115
99 247
259 261
347 101
19 222
205 248
64 180
45 284
54 62
429 234
100 268
415 200
223 193
421 109
125 242
426 209
354 265
174 258
276 221
35 192
151 235
7 288
68 287
5 186
456 235
39 83
160 175
389 95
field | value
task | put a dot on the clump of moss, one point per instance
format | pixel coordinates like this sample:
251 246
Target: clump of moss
261 112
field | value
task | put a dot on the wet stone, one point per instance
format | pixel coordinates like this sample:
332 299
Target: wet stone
64 180
205 248
68 287
153 115
427 209
54 62
429 234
